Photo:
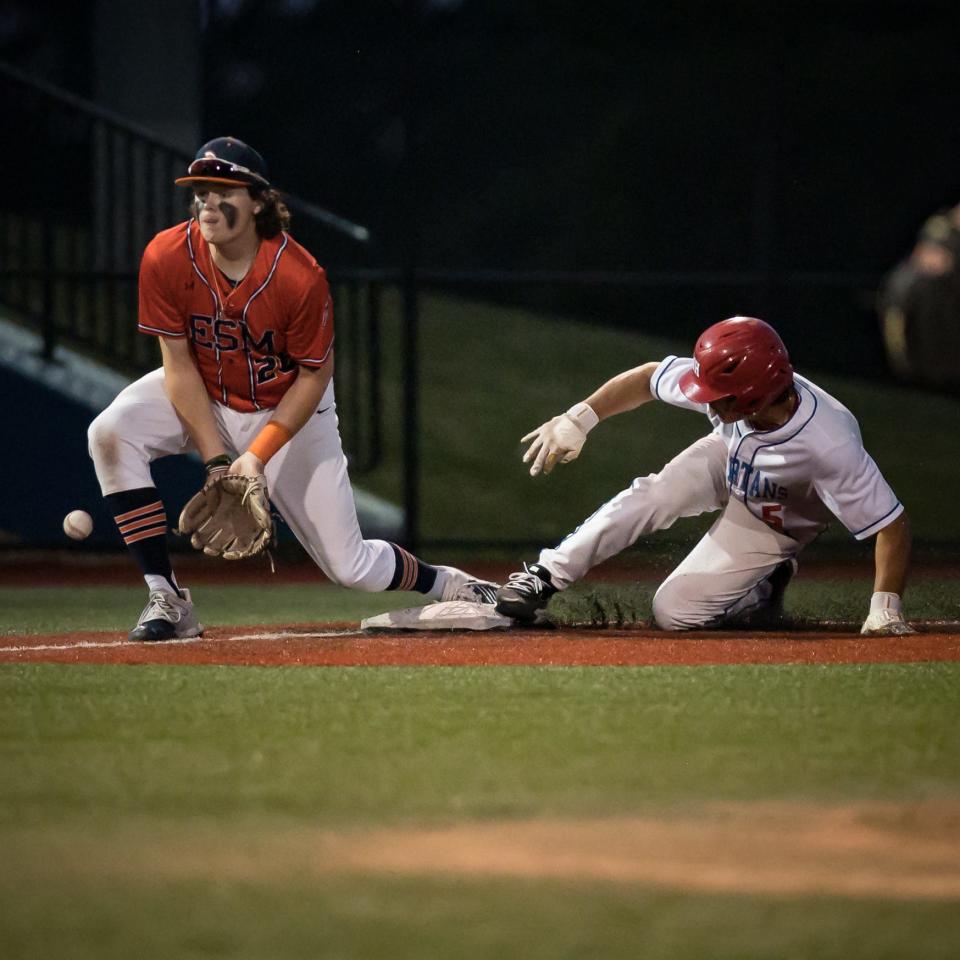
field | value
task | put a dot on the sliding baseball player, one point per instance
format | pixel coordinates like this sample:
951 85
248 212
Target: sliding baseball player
784 459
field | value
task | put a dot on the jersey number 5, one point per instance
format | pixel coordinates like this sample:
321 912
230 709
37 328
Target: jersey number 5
771 515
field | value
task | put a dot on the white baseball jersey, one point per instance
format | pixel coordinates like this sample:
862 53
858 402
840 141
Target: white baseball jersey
797 477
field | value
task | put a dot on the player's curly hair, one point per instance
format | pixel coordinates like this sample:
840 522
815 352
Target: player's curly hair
274 216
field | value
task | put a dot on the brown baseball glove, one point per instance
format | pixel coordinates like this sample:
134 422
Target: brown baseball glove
230 517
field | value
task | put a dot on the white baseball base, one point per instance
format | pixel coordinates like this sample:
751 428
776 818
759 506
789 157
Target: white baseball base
452 615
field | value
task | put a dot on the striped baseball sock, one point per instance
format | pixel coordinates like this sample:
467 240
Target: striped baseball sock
411 573
142 522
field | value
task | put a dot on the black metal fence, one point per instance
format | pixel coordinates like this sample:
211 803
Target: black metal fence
91 191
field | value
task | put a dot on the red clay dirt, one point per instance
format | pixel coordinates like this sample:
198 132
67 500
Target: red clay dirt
344 644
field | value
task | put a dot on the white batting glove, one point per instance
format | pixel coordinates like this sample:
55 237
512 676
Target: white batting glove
559 440
885 618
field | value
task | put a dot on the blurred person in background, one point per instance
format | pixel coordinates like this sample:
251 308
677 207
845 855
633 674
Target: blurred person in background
920 306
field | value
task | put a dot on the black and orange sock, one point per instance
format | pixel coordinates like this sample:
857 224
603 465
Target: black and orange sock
142 521
411 573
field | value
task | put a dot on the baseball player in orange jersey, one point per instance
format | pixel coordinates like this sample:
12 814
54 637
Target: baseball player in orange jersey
245 322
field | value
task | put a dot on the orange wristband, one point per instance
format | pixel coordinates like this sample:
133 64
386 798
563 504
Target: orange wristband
269 440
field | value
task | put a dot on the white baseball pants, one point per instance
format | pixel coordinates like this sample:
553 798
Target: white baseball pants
726 574
307 478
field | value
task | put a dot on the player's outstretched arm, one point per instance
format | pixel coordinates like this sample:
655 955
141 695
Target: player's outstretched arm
626 391
186 391
892 560
561 439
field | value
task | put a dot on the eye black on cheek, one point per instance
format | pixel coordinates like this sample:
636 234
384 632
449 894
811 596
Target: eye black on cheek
229 212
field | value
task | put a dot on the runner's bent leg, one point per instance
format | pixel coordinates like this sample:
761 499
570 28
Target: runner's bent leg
693 482
727 574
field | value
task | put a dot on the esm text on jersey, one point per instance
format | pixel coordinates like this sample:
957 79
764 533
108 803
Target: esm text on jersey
227 335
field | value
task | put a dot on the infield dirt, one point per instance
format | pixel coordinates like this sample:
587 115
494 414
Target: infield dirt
345 645
883 850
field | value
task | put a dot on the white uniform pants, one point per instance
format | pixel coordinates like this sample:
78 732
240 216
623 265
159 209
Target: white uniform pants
726 574
307 478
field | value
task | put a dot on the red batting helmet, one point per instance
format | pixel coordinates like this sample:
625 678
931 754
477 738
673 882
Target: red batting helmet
743 358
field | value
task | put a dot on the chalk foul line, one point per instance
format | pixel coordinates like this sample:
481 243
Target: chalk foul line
179 641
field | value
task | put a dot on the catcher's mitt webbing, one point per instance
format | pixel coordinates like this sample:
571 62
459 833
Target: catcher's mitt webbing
230 517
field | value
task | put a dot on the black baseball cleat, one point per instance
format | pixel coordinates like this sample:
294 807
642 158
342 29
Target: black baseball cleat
166 617
782 574
525 593
770 615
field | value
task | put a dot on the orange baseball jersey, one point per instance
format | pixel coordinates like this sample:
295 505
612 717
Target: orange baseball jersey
249 339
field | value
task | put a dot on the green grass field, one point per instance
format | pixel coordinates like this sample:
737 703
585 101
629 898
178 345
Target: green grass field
36 610
203 812
190 811
151 810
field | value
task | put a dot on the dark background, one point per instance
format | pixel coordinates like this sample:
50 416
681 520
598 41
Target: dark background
801 144
607 135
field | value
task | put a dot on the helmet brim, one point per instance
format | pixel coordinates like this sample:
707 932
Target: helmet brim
697 391
189 181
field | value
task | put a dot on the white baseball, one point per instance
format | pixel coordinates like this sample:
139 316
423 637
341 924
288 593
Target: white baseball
78 524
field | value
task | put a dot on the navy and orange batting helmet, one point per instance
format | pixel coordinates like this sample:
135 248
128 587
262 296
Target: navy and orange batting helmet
743 358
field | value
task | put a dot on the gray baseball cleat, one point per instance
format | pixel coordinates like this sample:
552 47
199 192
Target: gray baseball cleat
478 591
459 585
526 594
166 617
